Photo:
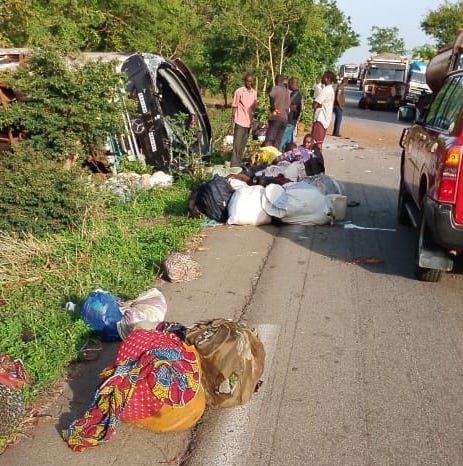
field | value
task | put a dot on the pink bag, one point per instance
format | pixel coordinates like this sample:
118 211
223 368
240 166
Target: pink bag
12 373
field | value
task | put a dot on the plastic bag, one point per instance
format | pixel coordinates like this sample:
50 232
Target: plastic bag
100 310
145 311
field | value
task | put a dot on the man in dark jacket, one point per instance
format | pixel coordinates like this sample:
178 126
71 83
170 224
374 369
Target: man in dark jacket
338 107
294 114
279 108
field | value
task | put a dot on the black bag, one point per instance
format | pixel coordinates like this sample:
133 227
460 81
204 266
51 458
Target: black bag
316 163
211 199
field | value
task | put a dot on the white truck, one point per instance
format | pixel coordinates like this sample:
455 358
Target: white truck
416 82
349 71
384 81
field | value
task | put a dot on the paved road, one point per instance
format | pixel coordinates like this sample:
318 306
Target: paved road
363 362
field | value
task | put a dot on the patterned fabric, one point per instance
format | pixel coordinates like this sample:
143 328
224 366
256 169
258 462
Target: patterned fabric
11 410
151 369
178 267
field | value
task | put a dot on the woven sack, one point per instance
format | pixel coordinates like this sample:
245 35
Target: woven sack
178 267
232 360
13 377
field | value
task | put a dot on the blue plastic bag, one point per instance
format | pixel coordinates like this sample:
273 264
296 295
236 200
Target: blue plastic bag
100 310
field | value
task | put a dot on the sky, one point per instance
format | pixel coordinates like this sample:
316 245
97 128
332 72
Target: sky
406 15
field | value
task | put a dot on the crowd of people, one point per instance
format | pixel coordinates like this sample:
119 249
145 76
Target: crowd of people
286 107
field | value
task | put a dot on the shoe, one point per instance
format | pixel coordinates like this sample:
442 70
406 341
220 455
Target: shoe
337 135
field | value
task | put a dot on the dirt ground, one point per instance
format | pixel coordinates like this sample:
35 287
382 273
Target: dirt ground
362 134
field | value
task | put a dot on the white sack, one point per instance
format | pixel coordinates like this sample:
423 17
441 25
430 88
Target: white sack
245 207
299 203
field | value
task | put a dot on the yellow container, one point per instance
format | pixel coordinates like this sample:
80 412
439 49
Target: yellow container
170 419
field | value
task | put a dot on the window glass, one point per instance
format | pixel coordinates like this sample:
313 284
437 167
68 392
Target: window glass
447 105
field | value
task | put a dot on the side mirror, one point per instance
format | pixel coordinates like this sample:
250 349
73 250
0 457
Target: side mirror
407 113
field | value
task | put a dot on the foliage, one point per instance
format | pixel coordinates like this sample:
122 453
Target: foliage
67 109
386 40
219 40
39 197
444 22
425 52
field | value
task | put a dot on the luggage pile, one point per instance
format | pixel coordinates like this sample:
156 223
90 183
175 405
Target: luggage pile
257 197
165 374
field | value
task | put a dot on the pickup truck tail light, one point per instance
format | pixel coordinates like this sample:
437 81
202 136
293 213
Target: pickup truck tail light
447 174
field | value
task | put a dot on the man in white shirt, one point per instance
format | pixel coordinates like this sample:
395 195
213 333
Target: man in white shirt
323 108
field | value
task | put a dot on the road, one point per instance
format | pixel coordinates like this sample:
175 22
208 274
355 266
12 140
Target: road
364 363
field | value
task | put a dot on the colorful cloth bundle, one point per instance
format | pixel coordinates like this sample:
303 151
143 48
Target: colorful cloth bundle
151 369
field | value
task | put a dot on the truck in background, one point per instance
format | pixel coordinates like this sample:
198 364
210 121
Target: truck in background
384 81
446 60
416 82
349 71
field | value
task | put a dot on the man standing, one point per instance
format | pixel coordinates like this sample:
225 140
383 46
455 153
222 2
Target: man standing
294 114
323 106
243 106
338 108
279 108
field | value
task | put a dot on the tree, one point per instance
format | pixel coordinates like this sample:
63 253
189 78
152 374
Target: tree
424 52
386 40
444 23
66 111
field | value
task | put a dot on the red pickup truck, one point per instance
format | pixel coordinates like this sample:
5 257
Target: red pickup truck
431 173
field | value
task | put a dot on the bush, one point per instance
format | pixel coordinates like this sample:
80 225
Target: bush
39 197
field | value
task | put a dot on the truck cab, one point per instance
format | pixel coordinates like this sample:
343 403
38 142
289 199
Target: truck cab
384 81
416 82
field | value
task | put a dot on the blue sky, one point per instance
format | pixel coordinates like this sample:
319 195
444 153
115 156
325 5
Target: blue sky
406 15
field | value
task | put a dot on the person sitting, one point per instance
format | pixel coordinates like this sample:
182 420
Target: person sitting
308 152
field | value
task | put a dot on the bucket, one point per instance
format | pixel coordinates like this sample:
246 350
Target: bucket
339 203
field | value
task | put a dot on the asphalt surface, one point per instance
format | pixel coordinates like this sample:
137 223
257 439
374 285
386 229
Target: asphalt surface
363 362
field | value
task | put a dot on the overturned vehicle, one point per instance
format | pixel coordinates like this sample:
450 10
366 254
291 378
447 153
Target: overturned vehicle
172 118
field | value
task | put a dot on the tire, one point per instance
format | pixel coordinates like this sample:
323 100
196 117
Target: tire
362 103
424 274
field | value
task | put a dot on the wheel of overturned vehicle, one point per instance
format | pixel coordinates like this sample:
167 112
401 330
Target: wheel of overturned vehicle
424 274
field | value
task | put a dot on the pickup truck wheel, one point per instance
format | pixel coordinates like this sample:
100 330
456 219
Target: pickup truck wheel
424 274
362 103
402 214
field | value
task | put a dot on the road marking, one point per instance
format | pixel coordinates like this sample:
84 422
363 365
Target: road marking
351 226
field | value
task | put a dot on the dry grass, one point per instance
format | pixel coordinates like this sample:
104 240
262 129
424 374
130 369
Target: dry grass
16 255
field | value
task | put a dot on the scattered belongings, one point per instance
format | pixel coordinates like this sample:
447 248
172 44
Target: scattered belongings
151 369
145 311
178 267
126 183
211 199
13 377
101 312
245 207
232 360
300 203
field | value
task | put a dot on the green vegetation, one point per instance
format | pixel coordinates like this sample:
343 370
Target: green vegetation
386 40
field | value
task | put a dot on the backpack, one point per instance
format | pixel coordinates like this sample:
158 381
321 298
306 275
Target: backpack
232 360
211 199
